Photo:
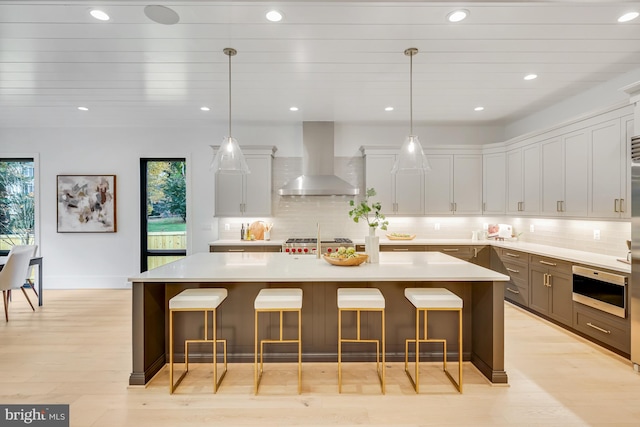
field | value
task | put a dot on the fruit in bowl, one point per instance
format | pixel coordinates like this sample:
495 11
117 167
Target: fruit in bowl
344 253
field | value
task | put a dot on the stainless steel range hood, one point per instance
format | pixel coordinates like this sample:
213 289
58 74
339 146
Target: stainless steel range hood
317 177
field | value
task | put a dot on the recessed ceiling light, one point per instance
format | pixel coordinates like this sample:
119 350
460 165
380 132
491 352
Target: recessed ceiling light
530 76
274 16
457 15
205 108
478 109
99 14
83 109
629 16
293 108
388 109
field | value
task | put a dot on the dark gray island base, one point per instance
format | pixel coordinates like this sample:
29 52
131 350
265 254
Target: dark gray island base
244 274
483 323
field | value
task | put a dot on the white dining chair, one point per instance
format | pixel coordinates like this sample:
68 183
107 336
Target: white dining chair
13 274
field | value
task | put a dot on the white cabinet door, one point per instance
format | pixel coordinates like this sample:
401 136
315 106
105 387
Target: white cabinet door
409 193
514 176
576 174
494 183
531 174
607 172
438 191
467 184
378 176
245 195
229 194
552 176
257 186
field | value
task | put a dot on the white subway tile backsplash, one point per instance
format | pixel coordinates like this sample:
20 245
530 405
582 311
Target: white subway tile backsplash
299 216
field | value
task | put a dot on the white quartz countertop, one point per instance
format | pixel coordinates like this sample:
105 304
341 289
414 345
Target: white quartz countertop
282 267
575 256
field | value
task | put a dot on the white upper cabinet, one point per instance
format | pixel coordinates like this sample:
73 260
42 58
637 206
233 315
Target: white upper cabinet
438 190
494 183
467 184
609 169
454 184
246 195
565 175
399 194
523 180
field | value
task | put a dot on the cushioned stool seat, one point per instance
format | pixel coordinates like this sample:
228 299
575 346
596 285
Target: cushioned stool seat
432 299
280 301
205 300
359 300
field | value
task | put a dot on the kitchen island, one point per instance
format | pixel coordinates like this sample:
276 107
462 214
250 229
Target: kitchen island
244 274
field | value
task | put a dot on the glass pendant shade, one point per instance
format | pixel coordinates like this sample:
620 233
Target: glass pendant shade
229 158
411 158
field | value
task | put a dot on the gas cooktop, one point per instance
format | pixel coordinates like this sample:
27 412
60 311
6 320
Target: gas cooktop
309 245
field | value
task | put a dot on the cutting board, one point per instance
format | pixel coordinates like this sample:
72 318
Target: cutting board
257 230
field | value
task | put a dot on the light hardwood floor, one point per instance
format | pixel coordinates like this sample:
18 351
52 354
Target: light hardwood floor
76 349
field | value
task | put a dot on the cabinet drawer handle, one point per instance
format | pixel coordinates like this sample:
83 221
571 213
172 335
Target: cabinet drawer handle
553 264
400 249
615 205
512 255
622 205
513 291
558 206
598 328
512 270
451 250
236 250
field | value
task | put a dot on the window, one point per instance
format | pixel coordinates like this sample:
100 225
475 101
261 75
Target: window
163 212
17 203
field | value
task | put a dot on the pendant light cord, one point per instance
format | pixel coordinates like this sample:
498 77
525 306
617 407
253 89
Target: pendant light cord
411 94
229 96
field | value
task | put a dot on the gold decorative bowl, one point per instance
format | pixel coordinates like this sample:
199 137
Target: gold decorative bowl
393 236
346 262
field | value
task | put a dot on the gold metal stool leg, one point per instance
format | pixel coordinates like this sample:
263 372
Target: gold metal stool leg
416 381
257 377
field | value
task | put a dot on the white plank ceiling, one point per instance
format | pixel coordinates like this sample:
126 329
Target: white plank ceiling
339 61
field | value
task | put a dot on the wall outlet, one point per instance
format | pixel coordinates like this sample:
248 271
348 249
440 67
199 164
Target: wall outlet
436 226
596 234
227 227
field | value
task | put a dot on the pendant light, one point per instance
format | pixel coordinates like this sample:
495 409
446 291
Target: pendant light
411 158
229 157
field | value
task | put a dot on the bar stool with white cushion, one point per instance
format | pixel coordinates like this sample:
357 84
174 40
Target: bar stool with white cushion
359 300
279 301
205 300
433 299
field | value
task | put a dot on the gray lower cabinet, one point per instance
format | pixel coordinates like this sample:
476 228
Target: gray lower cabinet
245 248
550 288
604 327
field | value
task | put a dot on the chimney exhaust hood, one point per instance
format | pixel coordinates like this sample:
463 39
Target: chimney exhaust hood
317 177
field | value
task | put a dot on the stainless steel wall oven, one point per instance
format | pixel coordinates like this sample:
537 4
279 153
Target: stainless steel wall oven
601 290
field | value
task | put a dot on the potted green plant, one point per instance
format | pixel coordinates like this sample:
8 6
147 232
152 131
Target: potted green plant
369 212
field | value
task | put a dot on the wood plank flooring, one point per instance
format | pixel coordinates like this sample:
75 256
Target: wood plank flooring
76 349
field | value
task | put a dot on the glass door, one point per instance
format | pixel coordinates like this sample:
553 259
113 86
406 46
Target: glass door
163 212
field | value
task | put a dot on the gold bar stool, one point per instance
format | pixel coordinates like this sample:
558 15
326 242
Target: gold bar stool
433 299
205 300
280 301
359 300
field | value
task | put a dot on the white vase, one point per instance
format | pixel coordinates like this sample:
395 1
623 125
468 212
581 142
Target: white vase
372 246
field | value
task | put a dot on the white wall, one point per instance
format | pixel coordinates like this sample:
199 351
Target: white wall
601 96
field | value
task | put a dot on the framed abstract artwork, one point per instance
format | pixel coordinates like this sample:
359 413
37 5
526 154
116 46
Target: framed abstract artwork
86 203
